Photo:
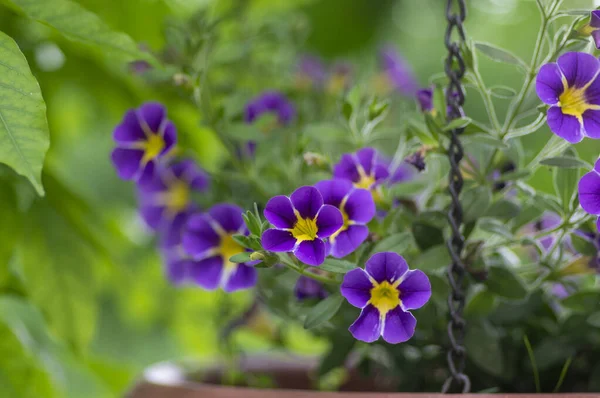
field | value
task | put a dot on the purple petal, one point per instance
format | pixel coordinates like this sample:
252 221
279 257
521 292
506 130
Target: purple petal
127 162
425 99
129 130
333 191
243 277
311 252
170 137
356 287
381 171
152 215
591 123
346 168
228 216
598 224
207 272
367 326
171 233
329 220
177 270
199 236
188 171
349 240
597 166
565 126
277 240
399 326
596 37
589 192
578 68
307 200
279 212
366 158
386 266
548 83
595 19
153 114
147 175
359 206
306 288
415 290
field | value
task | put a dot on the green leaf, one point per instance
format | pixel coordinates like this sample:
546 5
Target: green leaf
433 258
459 123
565 162
527 129
480 304
484 349
501 91
337 266
10 227
499 54
245 132
24 137
341 346
80 25
433 126
397 243
583 301
240 257
475 202
495 226
326 132
486 140
439 102
503 282
565 182
594 319
323 311
427 235
504 209
583 246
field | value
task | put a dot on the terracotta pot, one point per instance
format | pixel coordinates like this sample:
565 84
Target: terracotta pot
290 374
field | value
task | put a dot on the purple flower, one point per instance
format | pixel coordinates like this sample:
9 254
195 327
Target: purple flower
398 71
425 99
593 28
308 288
177 266
357 208
301 223
165 201
270 102
385 290
311 70
572 89
208 239
589 192
144 136
365 168
547 221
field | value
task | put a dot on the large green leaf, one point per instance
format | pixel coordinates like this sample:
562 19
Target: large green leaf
23 125
78 24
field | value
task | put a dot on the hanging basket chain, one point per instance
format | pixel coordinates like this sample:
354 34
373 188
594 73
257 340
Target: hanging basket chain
455 97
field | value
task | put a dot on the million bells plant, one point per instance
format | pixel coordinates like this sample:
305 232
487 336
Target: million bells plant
328 207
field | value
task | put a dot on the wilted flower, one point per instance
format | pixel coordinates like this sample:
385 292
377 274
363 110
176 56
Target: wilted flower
572 89
208 239
589 192
357 208
385 290
308 288
144 136
417 159
301 223
398 71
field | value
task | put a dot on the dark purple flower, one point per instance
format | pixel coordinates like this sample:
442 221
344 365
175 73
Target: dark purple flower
547 221
417 160
425 99
594 27
385 290
139 67
144 136
572 89
311 70
208 239
398 71
507 167
589 192
301 223
357 208
270 102
165 201
365 168
308 288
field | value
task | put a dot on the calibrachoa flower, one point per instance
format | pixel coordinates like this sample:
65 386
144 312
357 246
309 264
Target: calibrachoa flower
424 98
207 238
589 192
365 168
593 28
398 71
144 136
301 223
311 71
270 102
572 88
308 288
357 208
385 290
165 201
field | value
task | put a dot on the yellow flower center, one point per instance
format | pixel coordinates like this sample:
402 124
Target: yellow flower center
305 228
178 197
573 101
346 224
228 248
384 297
153 146
365 182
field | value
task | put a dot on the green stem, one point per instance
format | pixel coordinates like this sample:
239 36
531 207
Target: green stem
487 101
320 278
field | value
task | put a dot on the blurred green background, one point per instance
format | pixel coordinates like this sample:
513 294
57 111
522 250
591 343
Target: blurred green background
96 264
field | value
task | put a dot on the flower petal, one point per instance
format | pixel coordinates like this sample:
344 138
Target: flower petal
329 220
311 252
129 130
548 83
399 326
279 212
589 192
415 290
147 175
307 201
565 126
346 168
228 216
207 272
170 137
386 266
307 288
153 114
349 240
596 37
595 19
578 68
366 158
198 236
278 240
356 287
360 206
367 326
152 215
591 123
333 191
127 162
171 233
177 270
243 277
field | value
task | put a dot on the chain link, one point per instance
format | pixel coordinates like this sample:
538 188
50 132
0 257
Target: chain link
455 97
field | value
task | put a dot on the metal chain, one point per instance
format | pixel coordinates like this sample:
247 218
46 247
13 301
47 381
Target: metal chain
455 98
